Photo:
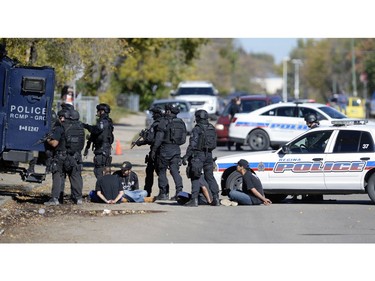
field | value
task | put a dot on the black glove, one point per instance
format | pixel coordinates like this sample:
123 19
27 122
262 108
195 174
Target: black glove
153 155
184 160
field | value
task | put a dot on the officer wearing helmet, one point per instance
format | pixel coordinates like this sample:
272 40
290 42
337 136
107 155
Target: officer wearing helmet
56 141
101 136
199 155
311 120
170 134
149 139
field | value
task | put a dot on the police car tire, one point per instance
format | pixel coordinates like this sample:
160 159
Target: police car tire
255 136
371 188
234 181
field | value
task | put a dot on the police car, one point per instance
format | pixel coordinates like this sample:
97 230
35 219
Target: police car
276 124
338 159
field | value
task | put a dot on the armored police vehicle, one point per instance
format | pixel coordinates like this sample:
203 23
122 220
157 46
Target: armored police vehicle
338 159
25 116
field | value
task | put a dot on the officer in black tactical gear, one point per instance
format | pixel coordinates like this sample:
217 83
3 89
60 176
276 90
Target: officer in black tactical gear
149 139
170 153
101 135
311 121
67 158
200 158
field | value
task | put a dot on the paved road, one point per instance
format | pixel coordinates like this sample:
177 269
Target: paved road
339 219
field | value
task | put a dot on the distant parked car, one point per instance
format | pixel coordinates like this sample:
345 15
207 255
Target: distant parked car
356 108
201 95
276 124
248 104
186 112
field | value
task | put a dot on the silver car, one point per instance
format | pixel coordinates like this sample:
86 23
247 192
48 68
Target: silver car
186 112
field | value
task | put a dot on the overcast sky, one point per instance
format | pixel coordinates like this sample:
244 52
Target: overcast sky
278 47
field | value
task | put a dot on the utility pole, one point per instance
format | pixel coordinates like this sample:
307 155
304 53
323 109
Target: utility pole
354 80
285 79
297 63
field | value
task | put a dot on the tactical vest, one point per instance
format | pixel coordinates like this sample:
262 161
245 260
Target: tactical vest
74 136
208 138
175 131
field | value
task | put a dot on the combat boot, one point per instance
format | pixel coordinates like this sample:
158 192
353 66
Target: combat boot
215 202
193 202
162 196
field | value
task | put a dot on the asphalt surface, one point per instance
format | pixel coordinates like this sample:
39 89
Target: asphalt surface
337 219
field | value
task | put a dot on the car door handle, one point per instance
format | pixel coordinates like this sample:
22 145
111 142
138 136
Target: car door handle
365 158
317 159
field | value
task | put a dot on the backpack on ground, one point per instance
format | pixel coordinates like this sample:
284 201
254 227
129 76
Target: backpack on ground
74 136
208 139
177 131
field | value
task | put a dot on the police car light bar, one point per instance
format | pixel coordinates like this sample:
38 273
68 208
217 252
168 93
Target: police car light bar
348 122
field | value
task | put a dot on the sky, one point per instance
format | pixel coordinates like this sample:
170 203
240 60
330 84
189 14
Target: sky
278 47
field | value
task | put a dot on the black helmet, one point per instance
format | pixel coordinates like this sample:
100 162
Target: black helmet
172 107
63 113
201 114
311 118
74 115
103 106
156 110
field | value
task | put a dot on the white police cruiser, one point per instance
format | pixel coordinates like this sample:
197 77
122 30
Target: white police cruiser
276 124
338 159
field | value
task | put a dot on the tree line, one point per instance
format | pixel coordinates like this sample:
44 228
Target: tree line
152 67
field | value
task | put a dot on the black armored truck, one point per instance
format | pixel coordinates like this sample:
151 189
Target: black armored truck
25 116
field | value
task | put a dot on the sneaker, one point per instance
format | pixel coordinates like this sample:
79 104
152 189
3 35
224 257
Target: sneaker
79 202
52 202
227 202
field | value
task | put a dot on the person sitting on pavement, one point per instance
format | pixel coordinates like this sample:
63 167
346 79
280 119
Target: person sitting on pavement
130 185
108 189
204 197
252 190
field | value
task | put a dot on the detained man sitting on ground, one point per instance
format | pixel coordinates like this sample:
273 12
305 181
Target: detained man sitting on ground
204 197
130 185
108 189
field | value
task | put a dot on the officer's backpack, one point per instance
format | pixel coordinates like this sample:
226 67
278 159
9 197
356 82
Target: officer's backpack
208 138
176 131
74 136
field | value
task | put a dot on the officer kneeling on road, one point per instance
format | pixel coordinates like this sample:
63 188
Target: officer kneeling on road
199 155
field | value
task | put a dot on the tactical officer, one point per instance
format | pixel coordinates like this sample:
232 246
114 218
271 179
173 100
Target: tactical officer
170 152
200 158
149 138
66 158
311 120
101 136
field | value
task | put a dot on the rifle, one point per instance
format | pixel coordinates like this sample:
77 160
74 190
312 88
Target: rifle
142 135
44 138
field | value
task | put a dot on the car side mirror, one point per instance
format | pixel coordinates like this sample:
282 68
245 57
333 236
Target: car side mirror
172 93
285 149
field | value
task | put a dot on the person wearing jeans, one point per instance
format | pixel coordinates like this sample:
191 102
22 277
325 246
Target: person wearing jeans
252 190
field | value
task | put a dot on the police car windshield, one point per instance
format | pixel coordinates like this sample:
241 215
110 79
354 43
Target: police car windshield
195 91
333 113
